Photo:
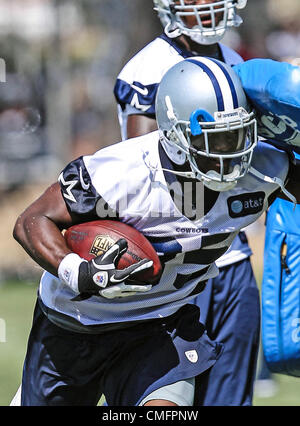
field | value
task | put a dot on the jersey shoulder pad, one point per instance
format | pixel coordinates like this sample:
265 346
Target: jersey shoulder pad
137 83
119 171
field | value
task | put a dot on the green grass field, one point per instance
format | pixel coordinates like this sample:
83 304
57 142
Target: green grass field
16 307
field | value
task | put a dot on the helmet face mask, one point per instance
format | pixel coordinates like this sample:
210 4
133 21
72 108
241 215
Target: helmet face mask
210 20
229 144
217 144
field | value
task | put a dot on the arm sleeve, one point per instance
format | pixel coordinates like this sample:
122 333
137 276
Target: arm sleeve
136 98
80 195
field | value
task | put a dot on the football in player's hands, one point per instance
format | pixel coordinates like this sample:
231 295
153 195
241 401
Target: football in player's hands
92 239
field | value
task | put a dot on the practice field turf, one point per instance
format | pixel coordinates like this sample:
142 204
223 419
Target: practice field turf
16 307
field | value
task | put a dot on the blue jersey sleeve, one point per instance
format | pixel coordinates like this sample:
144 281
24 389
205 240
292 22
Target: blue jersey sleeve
80 195
138 96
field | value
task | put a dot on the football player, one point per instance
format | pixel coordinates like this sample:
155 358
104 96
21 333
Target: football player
143 344
195 28
274 91
229 307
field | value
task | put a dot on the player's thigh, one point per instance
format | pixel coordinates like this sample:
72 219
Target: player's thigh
158 355
243 305
16 401
235 322
61 367
179 394
235 305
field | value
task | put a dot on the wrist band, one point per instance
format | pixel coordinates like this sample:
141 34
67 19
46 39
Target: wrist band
68 270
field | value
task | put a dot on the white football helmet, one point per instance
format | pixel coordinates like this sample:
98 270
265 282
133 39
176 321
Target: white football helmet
171 14
202 112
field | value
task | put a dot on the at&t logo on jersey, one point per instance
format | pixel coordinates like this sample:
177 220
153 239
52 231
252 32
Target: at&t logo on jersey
246 204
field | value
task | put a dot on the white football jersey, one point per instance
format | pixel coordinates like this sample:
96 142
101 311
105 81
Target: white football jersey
137 83
135 91
127 180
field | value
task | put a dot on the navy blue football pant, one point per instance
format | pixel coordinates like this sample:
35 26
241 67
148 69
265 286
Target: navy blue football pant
70 368
66 368
230 310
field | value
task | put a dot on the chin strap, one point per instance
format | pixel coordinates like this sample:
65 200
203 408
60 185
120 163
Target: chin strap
275 180
172 33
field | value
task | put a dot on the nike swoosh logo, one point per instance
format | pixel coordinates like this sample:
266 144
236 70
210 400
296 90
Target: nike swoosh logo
114 280
83 184
143 91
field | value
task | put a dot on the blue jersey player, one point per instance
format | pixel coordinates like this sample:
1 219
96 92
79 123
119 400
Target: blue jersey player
274 90
141 344
190 29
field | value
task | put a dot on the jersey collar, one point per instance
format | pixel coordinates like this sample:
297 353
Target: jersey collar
182 51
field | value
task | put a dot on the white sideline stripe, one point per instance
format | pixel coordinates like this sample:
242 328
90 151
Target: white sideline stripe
223 82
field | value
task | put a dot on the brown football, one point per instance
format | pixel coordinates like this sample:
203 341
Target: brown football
91 239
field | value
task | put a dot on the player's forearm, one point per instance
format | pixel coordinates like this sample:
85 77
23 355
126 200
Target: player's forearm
38 229
42 240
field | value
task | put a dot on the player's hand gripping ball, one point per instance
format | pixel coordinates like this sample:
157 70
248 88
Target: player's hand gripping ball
116 253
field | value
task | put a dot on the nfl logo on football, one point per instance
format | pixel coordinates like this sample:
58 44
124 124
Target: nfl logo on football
101 244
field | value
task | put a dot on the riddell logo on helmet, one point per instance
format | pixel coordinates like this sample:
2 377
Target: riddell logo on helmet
229 114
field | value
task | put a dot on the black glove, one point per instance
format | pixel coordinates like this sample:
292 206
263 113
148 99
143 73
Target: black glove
99 276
